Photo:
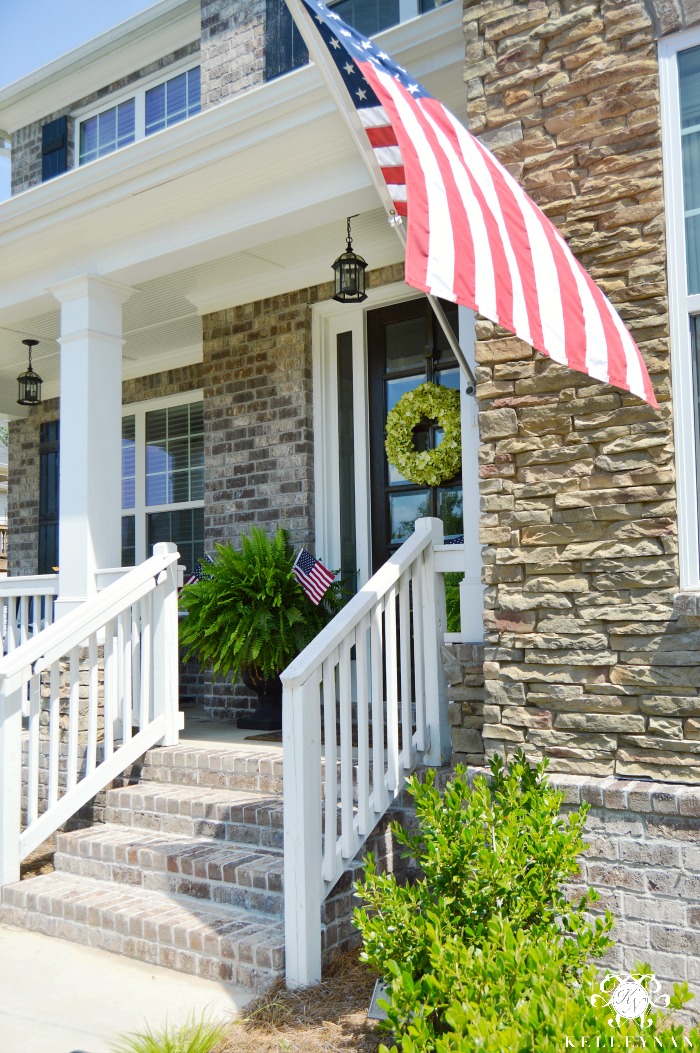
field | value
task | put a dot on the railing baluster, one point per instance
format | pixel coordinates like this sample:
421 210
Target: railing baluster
377 709
406 689
54 730
146 663
11 782
346 780
392 701
331 770
73 716
136 665
418 663
33 754
93 705
125 684
23 619
110 688
362 709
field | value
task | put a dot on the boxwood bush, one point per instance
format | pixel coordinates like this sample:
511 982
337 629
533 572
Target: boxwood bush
484 951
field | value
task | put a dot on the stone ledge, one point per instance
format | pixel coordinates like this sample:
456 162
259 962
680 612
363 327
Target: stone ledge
687 603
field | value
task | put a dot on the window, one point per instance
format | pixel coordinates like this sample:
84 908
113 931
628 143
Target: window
163 478
679 68
149 110
285 49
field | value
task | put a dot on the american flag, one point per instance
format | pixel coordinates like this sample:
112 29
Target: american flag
313 577
474 236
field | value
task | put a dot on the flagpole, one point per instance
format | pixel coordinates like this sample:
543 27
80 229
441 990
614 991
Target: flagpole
338 91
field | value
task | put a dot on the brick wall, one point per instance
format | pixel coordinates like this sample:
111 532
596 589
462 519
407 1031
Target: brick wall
26 142
233 48
587 659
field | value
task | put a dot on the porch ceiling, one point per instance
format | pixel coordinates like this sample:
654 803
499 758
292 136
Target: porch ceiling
244 201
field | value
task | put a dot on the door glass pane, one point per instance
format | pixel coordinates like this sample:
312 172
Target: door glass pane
450 510
404 509
396 388
405 345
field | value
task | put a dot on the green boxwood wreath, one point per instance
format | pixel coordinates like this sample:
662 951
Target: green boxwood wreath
427 467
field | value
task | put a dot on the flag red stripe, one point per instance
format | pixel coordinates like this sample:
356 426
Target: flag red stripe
395 174
385 136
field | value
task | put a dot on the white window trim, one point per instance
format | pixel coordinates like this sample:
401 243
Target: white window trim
136 91
681 306
138 410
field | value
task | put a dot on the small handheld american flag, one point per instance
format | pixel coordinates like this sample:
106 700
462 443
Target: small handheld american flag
313 577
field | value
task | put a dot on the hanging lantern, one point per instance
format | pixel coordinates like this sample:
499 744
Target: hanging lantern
29 382
350 274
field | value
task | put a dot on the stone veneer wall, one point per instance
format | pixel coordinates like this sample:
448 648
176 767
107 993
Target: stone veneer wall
587 660
232 49
26 142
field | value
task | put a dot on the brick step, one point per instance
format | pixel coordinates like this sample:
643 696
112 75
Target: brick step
203 868
239 816
213 941
219 767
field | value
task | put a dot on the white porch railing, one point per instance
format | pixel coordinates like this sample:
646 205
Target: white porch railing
376 670
111 666
26 607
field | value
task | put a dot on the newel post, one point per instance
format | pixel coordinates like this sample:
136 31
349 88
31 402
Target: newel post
434 627
165 649
303 846
10 783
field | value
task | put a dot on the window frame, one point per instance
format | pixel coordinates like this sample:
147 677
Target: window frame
137 92
682 307
141 510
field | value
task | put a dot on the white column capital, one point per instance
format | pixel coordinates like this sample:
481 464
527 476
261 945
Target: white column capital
91 286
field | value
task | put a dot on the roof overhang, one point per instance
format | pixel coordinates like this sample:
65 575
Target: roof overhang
130 46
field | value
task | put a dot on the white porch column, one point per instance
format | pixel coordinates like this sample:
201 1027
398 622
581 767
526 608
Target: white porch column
471 589
89 526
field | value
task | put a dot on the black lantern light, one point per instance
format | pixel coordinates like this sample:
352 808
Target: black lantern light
350 274
29 382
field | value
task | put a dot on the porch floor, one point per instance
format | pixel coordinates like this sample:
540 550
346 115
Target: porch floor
201 728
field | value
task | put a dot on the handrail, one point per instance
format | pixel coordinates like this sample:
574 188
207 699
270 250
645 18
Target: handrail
75 626
30 585
85 684
299 670
375 677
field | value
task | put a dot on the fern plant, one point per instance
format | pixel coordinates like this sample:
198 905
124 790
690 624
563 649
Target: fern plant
196 1036
249 612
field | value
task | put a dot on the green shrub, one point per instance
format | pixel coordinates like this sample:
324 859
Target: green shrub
452 580
484 951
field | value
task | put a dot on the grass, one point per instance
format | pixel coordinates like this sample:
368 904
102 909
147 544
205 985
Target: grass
195 1036
330 1017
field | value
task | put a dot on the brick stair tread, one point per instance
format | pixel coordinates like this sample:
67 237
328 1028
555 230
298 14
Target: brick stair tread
207 765
204 868
216 941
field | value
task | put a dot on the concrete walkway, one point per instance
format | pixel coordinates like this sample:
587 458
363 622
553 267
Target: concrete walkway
59 997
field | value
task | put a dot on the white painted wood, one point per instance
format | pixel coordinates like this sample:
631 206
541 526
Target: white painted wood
11 773
301 736
330 753
362 710
73 716
93 705
377 709
471 592
391 672
110 688
346 772
405 671
33 750
124 666
54 730
89 534
165 654
146 662
422 740
88 787
434 617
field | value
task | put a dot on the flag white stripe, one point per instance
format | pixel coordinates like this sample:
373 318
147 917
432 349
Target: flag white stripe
388 156
374 117
397 191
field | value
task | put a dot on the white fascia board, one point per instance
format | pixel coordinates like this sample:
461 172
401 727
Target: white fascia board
148 36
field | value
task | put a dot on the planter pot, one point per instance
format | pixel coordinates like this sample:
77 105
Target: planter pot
268 714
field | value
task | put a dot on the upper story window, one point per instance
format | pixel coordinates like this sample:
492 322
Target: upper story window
679 68
150 109
285 49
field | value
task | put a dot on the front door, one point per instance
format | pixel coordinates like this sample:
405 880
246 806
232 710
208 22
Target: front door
406 347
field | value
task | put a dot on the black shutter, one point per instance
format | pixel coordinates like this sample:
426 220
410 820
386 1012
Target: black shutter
284 46
54 148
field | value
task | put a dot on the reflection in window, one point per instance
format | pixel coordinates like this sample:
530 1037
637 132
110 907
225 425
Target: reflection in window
107 131
175 455
172 101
